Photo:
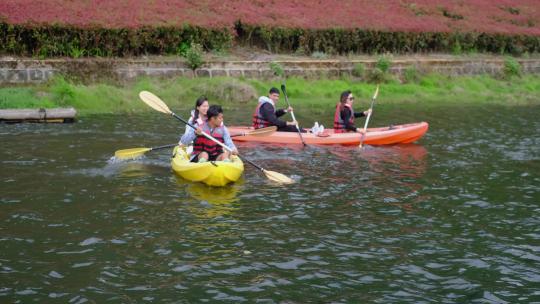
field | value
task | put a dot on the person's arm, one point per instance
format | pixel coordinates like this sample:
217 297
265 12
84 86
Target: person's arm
359 114
346 116
188 137
188 128
280 112
267 112
228 140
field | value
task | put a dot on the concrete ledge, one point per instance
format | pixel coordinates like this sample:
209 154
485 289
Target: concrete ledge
23 71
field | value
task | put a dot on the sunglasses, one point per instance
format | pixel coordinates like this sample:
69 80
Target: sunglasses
350 98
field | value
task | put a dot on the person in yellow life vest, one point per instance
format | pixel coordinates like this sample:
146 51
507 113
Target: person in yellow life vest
345 115
205 149
266 114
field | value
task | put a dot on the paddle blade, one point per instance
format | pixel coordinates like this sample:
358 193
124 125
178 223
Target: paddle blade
154 102
130 153
376 92
277 177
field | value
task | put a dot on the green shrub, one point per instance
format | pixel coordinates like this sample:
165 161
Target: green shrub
277 69
319 55
456 48
343 41
63 92
64 40
300 51
411 75
359 70
182 49
376 75
75 51
194 56
512 68
383 64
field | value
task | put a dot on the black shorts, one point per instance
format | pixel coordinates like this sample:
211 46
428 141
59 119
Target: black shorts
290 129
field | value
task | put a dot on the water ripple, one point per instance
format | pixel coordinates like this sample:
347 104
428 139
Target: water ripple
452 219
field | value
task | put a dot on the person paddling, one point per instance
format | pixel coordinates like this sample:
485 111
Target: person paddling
345 115
205 149
266 115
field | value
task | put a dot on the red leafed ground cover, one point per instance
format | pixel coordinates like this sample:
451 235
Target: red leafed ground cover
489 16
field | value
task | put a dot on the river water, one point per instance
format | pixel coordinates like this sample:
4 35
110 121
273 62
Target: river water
454 218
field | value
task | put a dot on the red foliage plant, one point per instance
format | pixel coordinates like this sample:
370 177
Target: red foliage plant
509 17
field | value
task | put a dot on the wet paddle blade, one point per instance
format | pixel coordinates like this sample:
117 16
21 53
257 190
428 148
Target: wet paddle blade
154 102
130 153
278 177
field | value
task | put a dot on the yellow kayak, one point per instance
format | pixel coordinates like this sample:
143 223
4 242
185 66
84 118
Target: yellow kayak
218 173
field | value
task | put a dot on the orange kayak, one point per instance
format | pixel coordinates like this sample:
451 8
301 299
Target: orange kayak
399 134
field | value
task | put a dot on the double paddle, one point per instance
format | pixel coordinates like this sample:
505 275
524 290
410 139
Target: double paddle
136 152
157 104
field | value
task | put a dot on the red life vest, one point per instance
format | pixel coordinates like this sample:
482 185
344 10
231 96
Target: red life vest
203 144
339 124
258 121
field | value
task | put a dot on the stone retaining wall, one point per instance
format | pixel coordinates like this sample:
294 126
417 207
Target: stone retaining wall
22 71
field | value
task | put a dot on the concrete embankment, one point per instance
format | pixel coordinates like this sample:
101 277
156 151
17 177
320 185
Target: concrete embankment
28 71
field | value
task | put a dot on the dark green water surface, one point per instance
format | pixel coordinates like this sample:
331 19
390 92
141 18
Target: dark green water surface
454 218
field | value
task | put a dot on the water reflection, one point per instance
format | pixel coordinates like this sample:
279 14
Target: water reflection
212 202
213 195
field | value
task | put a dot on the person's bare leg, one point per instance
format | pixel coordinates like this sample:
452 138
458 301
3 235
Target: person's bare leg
203 155
223 156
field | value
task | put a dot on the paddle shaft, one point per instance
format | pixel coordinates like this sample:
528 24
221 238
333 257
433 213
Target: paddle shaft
163 147
369 115
292 114
216 141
